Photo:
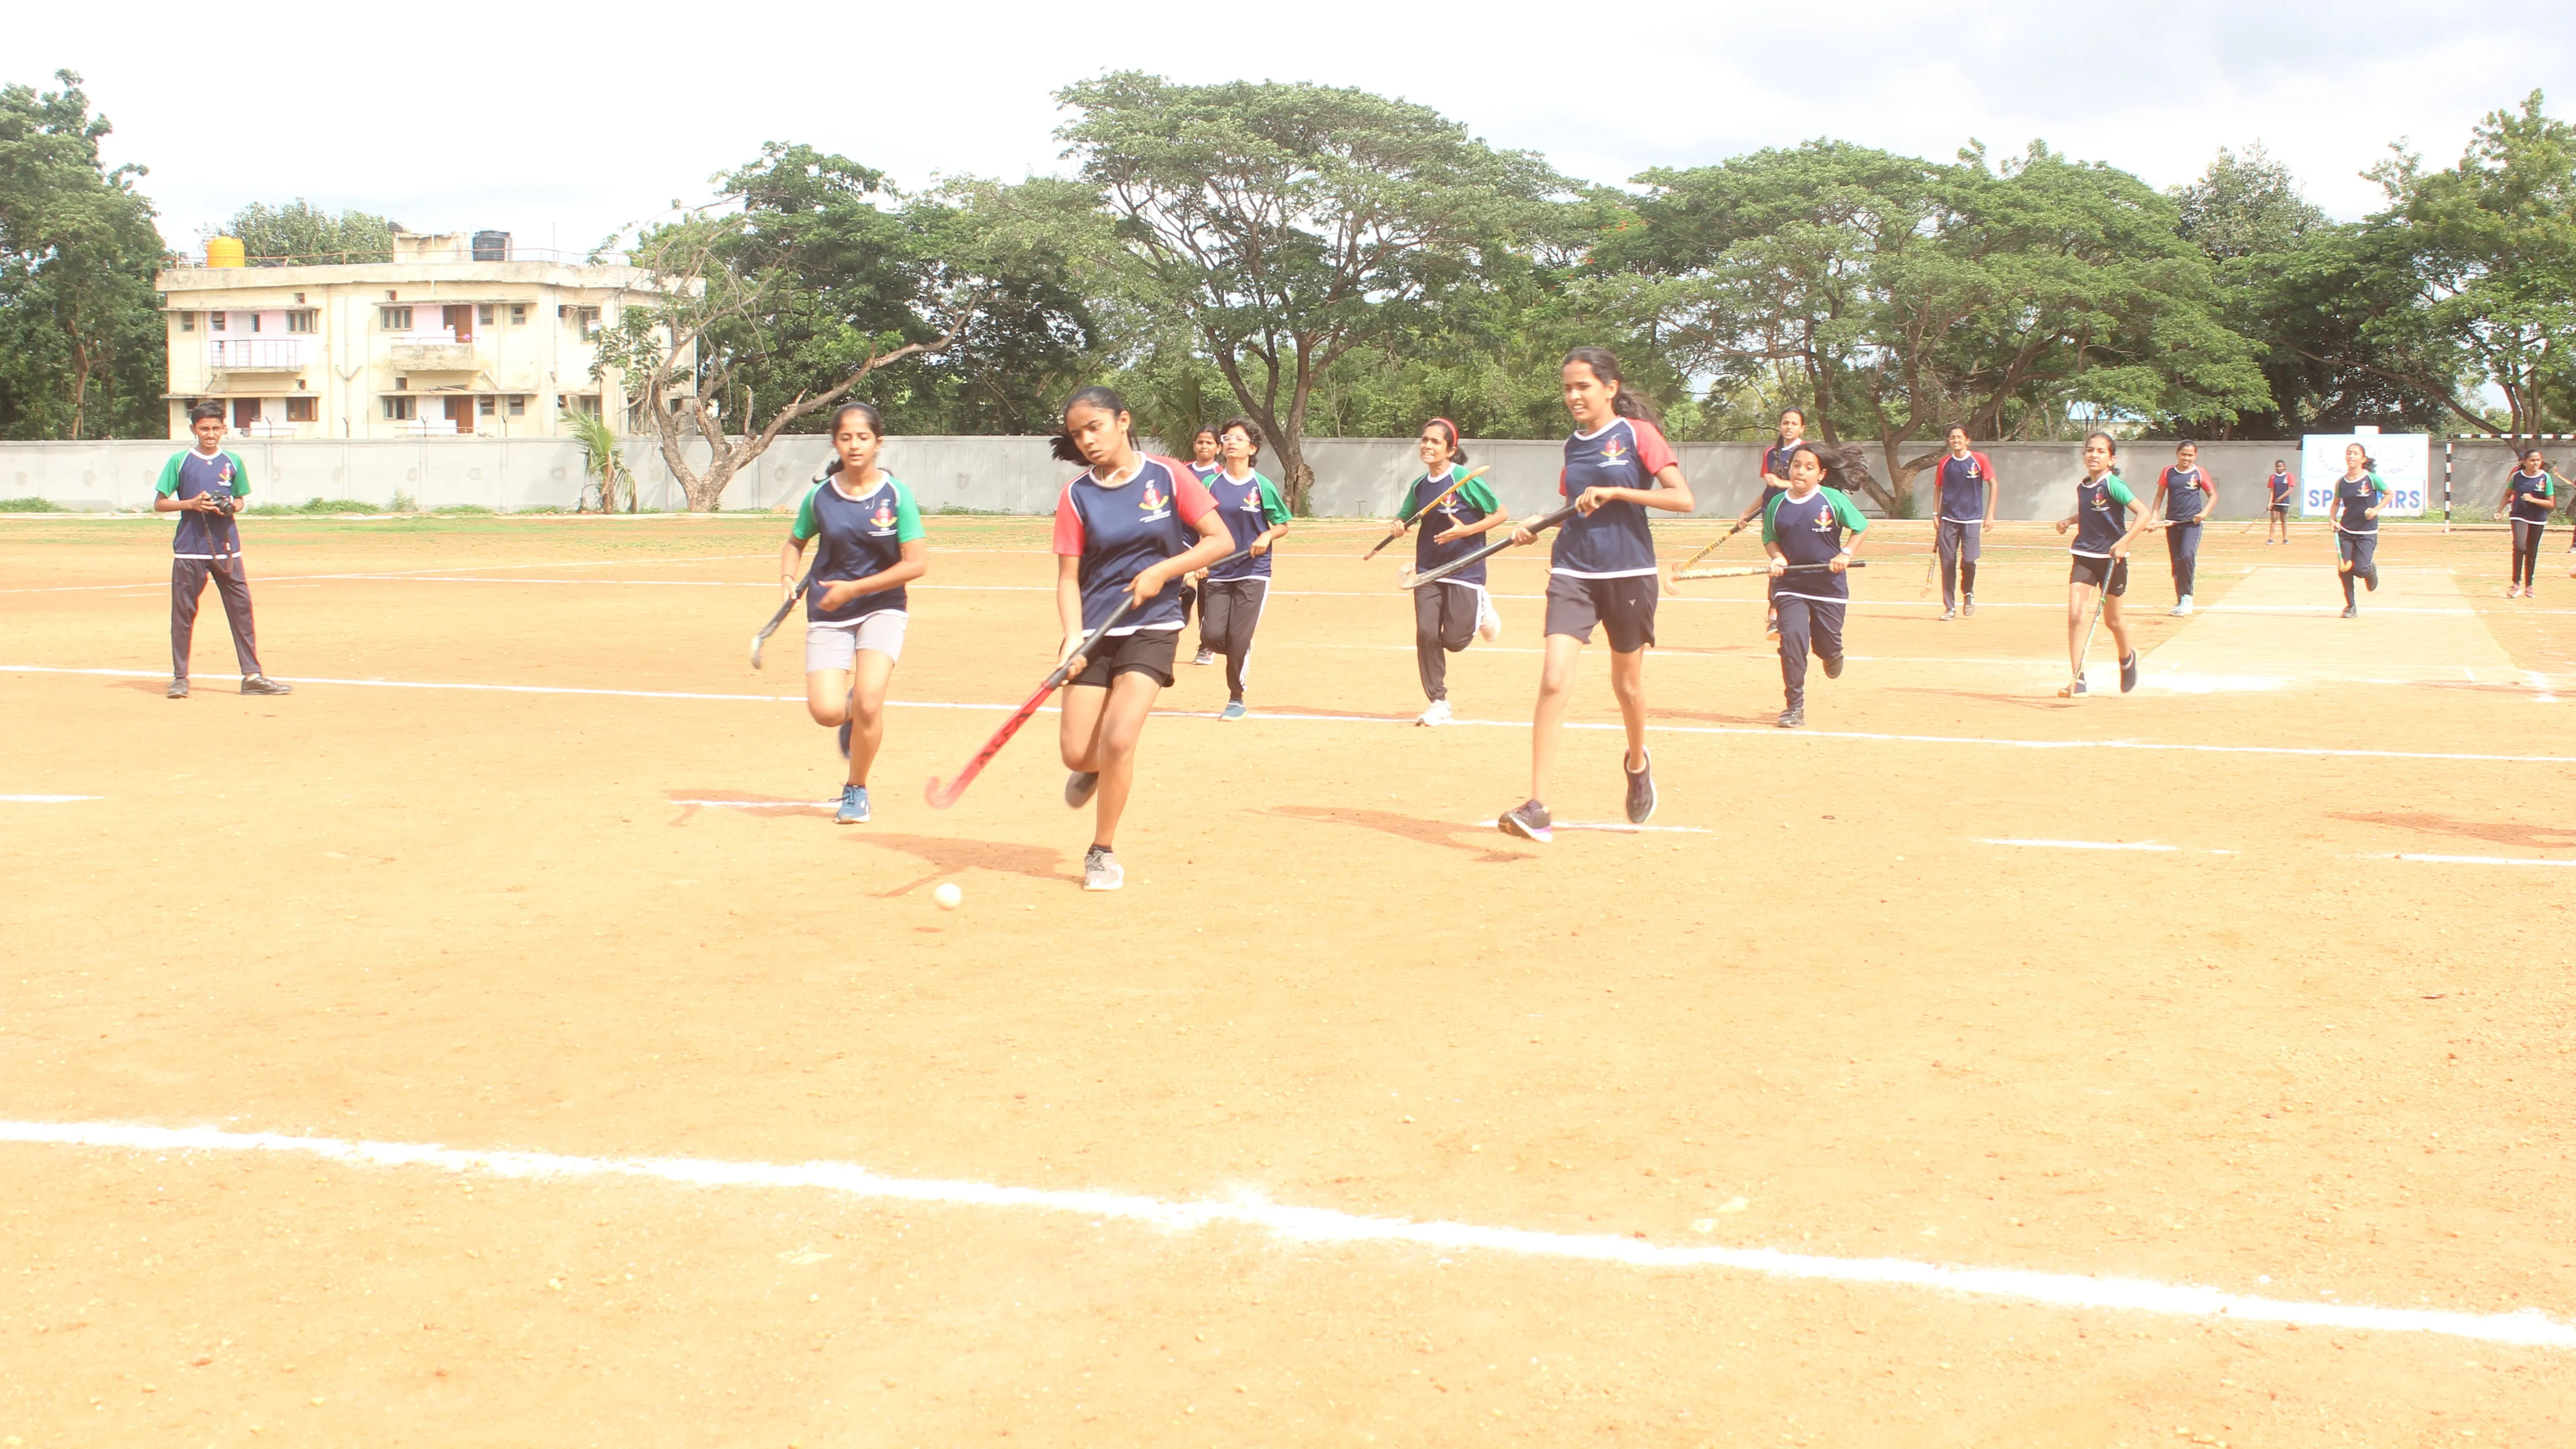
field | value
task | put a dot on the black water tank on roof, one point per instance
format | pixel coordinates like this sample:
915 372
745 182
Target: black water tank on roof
491 246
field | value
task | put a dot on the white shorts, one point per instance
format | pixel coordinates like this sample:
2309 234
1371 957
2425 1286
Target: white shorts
837 646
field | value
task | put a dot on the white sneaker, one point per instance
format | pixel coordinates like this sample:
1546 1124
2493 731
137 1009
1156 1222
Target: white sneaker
1489 624
1101 870
1437 714
2182 610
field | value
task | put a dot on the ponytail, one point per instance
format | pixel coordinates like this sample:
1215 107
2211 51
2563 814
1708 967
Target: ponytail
1627 402
1062 444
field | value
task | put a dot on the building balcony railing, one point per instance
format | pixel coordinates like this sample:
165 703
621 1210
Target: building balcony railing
256 354
433 352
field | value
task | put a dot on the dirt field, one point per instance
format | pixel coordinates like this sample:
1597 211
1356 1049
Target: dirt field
524 865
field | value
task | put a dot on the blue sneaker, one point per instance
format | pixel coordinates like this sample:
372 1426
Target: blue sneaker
1233 710
854 805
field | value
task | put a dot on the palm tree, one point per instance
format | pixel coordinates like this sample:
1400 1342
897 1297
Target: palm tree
600 456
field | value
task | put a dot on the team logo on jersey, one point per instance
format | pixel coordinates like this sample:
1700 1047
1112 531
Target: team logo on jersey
1252 501
1824 520
1613 454
224 472
1152 500
883 519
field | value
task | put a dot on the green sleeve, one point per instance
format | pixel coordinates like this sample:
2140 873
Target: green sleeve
804 528
1769 535
907 515
1272 509
1476 495
1845 511
169 483
2118 490
2378 484
241 476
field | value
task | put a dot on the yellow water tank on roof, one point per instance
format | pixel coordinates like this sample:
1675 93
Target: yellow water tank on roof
224 251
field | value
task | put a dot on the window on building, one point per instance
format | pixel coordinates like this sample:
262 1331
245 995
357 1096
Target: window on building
395 319
214 321
587 320
399 409
518 407
586 402
302 409
303 321
254 320
491 405
245 412
518 313
486 314
187 321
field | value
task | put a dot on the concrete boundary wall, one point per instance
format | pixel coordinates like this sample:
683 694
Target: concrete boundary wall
1354 476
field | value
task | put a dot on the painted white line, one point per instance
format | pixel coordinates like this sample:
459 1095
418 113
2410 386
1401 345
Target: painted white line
47 799
2474 860
2528 1327
2078 844
1614 827
421 575
1755 731
763 804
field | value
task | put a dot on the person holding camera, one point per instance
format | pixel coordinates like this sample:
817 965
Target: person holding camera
205 486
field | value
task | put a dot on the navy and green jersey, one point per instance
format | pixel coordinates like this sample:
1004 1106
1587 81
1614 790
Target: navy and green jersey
2185 493
1250 509
204 535
1963 487
1810 530
1613 542
2358 496
1120 530
2531 496
2101 516
2280 485
1472 503
862 534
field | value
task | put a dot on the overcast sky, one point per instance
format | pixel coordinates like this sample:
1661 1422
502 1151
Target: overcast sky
564 122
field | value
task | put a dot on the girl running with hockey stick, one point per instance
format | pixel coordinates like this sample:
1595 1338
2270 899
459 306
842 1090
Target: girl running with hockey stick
2184 496
1233 593
2529 494
1127 530
1601 572
1804 527
1775 481
1448 613
872 545
2354 516
2100 574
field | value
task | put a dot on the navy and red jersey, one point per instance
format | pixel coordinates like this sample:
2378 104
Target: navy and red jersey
2101 516
1810 530
1963 487
1121 530
2358 496
1614 541
2531 496
2185 493
861 537
1473 503
2281 485
204 535
1250 509
1775 470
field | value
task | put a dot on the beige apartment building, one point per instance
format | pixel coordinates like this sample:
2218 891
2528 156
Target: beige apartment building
457 336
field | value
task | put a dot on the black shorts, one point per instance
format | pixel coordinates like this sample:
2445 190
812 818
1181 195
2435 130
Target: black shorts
1624 607
2094 570
2282 509
1147 651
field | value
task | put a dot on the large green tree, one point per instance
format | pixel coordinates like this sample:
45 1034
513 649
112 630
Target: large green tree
300 233
1286 226
82 352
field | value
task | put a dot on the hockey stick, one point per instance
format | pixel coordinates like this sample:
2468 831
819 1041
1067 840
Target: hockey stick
1416 515
762 638
1750 571
1411 580
1682 571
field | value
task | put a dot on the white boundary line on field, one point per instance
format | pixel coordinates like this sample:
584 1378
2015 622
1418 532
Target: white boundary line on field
46 799
1307 1225
1755 731
2470 859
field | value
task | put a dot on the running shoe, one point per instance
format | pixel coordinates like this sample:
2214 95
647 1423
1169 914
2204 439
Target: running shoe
1641 790
1771 627
1794 717
1833 666
1079 786
2370 580
1489 622
2352 611
178 688
2129 672
1101 870
1206 656
1949 612
1529 821
2074 690
1233 710
2513 591
854 805
2182 607
262 684
1437 714
1968 606
842 735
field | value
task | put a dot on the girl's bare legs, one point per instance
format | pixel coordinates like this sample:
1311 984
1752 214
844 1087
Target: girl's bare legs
1555 686
1628 684
1098 735
865 707
2079 601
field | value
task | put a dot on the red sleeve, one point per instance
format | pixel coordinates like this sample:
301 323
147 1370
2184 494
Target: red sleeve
1189 495
1068 525
1985 466
1654 455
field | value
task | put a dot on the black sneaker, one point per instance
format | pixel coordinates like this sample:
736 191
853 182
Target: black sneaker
1529 821
1641 790
262 684
178 688
2074 689
843 736
2370 581
1079 786
1833 666
1794 717
2352 611
1968 605
2129 672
